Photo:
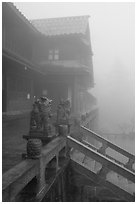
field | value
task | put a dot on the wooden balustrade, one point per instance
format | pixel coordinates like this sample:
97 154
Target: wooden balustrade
106 162
14 180
107 144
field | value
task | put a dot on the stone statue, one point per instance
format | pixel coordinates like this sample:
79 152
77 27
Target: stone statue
40 115
45 113
35 120
63 113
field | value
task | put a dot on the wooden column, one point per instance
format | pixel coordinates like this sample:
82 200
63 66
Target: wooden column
63 188
4 91
75 96
57 162
51 195
59 189
81 193
32 91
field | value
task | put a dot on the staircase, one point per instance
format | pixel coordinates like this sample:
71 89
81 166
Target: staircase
104 163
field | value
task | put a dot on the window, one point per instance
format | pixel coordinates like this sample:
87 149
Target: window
53 54
50 54
56 55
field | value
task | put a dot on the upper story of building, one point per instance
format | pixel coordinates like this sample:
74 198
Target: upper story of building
18 34
63 40
52 45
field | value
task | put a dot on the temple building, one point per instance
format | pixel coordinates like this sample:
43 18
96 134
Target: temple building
53 58
45 56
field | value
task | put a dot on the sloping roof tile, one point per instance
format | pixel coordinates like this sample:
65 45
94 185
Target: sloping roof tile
61 26
14 8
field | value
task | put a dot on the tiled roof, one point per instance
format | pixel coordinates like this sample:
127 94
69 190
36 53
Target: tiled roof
61 26
14 8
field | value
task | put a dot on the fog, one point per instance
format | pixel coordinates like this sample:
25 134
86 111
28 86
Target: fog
112 39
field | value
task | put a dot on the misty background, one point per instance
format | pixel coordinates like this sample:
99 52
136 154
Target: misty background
112 28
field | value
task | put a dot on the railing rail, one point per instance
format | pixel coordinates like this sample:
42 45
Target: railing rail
99 180
106 162
106 143
15 179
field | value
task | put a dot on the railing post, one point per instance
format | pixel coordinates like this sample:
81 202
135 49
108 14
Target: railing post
103 172
63 130
81 192
63 188
51 196
41 178
129 164
103 148
57 162
59 190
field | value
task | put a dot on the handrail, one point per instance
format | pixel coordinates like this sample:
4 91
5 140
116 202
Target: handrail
14 180
16 172
108 163
107 144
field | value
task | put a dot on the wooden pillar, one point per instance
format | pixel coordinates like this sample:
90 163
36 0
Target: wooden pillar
63 188
81 193
4 92
32 91
59 189
57 162
75 96
51 195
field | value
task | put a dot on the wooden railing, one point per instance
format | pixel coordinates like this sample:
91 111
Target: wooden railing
14 180
107 144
